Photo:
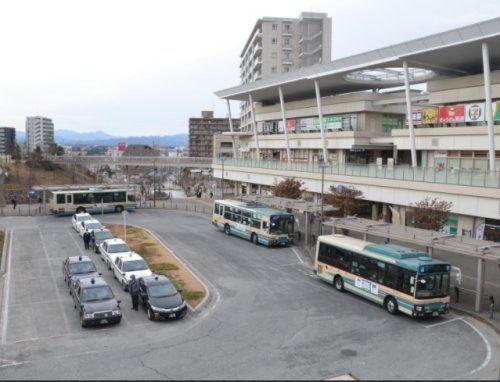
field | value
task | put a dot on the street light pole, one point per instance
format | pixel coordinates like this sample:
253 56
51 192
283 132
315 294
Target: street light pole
154 183
222 185
322 166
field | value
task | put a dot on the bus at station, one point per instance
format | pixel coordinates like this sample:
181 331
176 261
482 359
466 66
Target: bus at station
398 278
254 222
91 200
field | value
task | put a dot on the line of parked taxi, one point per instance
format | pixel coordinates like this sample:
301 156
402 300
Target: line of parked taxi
94 299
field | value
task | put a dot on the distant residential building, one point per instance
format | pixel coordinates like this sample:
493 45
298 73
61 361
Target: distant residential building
279 45
202 131
7 140
39 133
140 151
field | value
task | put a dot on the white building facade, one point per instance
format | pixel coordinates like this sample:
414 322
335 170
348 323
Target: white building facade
351 115
39 133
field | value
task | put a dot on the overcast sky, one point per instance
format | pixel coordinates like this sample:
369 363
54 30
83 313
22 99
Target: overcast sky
145 67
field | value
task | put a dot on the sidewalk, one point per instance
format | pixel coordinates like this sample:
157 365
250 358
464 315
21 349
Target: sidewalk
483 316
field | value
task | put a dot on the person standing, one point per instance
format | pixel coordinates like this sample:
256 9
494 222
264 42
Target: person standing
14 202
133 287
86 239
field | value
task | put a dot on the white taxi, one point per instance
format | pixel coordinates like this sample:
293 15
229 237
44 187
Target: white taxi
77 219
111 249
126 266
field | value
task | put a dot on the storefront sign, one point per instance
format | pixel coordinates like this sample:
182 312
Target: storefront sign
474 112
496 111
452 114
430 115
290 125
330 122
390 122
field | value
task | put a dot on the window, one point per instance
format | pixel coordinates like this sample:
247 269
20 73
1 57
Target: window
60 199
216 208
286 69
273 41
275 27
69 199
287 27
287 55
274 55
287 41
131 197
273 69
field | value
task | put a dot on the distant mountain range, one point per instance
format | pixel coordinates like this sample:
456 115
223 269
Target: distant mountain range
100 138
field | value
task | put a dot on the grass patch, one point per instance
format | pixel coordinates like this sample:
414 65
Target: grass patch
2 240
161 261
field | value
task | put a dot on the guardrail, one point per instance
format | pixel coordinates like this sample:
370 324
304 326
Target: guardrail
489 179
134 160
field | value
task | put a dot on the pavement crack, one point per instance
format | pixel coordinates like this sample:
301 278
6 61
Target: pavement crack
143 364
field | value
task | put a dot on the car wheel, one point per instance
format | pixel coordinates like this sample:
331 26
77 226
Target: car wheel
338 283
109 267
227 230
118 209
391 305
254 239
182 315
151 315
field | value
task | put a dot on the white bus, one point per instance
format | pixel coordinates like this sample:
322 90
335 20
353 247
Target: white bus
92 200
398 278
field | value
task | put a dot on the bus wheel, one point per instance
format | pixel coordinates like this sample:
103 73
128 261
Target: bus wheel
118 209
227 230
391 305
254 238
79 210
338 283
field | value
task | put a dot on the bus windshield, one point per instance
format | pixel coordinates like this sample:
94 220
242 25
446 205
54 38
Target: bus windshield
433 285
281 224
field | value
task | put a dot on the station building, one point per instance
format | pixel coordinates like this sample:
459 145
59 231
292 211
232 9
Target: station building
349 119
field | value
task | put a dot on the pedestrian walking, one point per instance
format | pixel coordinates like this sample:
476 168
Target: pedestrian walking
86 239
14 202
40 203
133 287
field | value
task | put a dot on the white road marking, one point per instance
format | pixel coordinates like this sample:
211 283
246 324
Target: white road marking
58 297
487 359
297 254
8 362
78 245
443 323
6 290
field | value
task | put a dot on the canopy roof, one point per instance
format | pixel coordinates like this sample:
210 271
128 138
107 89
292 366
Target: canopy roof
455 52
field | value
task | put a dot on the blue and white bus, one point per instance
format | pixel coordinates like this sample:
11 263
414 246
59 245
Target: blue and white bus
254 222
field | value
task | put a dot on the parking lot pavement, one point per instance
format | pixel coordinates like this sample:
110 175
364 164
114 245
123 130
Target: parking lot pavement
269 317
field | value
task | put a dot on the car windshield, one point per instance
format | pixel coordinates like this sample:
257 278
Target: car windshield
117 248
81 267
97 293
103 235
93 226
162 290
83 218
134 265
281 224
433 285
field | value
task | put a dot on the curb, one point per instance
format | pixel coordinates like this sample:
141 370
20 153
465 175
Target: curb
478 317
4 250
208 295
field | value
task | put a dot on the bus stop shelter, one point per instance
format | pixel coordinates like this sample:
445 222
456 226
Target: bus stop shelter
308 208
480 250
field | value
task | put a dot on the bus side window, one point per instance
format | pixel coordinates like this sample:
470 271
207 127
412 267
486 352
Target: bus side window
391 276
216 209
381 272
60 199
68 199
264 225
228 215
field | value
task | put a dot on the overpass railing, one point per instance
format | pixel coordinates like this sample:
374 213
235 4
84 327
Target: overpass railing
135 160
461 177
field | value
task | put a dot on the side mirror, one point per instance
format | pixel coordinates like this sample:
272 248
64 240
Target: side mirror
119 301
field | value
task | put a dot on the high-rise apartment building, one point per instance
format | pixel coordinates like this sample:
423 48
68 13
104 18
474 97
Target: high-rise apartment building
280 45
202 131
39 133
7 140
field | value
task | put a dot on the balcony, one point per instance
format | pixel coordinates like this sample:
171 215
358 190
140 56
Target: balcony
287 47
471 178
310 53
310 38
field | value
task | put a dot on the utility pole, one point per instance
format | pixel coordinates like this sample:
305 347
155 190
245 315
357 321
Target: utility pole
222 185
322 166
154 183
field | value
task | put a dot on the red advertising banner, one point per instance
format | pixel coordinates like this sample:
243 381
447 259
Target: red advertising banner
122 146
452 114
290 124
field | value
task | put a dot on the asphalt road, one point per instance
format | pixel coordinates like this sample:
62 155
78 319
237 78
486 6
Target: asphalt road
268 318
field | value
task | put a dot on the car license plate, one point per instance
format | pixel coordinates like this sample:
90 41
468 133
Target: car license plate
435 314
104 321
171 315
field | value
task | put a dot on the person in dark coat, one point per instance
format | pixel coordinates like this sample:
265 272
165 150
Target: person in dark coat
86 240
133 288
14 202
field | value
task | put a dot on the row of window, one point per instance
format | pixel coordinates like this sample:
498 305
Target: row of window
239 216
377 271
94 197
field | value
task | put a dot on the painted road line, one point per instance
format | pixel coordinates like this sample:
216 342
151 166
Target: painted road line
8 362
297 254
58 297
487 359
443 322
6 290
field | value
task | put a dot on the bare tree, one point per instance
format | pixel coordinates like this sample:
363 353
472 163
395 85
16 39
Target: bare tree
347 199
288 188
431 213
